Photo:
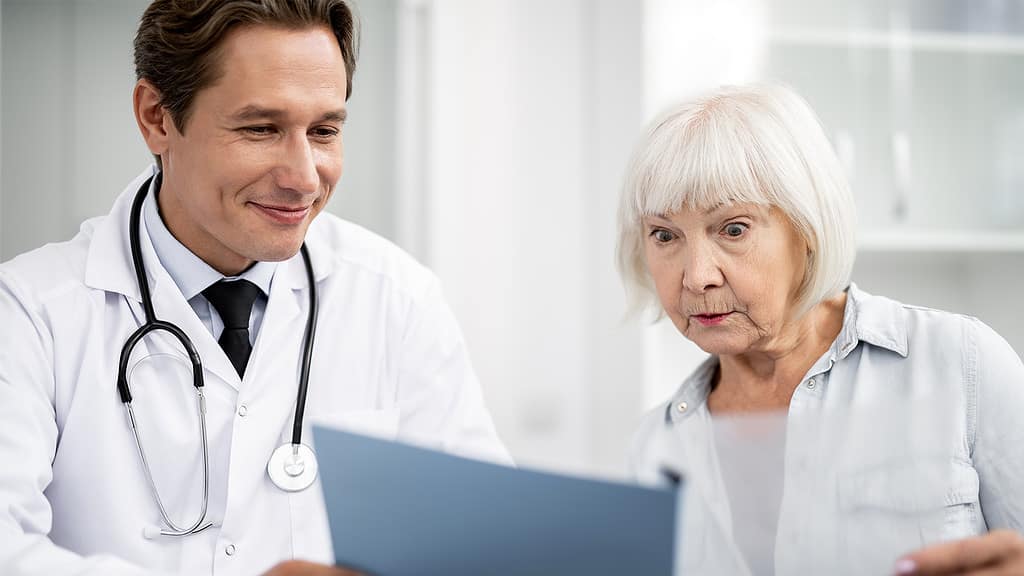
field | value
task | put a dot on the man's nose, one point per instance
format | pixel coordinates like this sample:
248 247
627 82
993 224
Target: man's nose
297 169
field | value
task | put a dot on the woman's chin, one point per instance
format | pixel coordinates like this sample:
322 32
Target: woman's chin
719 344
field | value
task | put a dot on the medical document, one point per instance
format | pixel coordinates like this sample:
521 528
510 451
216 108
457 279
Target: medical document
400 510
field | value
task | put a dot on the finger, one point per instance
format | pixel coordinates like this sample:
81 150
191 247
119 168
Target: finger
998 570
961 555
303 568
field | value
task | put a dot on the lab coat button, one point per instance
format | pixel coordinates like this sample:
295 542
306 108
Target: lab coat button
243 410
229 550
811 384
681 407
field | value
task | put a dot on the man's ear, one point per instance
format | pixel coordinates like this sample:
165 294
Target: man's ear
154 121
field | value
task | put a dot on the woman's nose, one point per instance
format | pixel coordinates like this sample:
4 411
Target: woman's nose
700 269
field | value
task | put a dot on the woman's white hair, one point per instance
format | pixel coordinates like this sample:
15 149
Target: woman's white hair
759 144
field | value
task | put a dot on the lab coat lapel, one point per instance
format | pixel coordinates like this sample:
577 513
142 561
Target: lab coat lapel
282 325
109 267
109 263
171 306
279 345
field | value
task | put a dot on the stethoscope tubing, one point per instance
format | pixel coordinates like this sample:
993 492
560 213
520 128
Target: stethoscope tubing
152 324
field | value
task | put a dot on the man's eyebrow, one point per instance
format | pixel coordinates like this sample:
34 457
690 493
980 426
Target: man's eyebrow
252 112
335 116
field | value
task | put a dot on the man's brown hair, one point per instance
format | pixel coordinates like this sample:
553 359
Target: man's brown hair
178 41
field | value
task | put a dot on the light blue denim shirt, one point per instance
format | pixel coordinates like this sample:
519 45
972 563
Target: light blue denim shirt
909 430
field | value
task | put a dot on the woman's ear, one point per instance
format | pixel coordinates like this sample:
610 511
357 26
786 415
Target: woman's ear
153 120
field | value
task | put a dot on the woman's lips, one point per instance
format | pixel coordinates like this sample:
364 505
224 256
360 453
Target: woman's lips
711 319
282 214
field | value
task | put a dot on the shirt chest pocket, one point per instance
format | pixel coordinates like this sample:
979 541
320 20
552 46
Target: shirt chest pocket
886 511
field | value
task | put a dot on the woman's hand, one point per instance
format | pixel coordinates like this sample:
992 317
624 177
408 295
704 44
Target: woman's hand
999 552
300 568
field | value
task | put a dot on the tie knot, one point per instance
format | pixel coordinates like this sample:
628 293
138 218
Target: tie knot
233 300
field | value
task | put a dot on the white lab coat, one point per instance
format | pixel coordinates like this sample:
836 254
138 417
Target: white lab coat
389 360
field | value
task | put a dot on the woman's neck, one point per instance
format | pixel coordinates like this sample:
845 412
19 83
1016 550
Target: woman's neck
764 379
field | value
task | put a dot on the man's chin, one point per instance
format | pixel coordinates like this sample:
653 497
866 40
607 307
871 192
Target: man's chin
278 253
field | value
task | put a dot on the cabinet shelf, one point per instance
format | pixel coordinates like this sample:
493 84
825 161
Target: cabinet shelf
965 241
899 40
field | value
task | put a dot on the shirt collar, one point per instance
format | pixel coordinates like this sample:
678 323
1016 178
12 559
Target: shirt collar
867 318
693 393
191 274
876 320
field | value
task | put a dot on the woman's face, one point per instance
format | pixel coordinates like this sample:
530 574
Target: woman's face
727 277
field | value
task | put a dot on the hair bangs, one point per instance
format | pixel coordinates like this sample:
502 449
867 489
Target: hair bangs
700 162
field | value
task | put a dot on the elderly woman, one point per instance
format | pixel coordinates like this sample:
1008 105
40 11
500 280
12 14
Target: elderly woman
737 224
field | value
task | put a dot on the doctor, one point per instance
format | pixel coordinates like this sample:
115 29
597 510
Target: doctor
118 459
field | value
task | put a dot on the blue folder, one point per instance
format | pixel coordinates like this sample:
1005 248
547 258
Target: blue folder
399 510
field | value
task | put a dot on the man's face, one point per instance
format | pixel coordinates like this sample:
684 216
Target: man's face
262 148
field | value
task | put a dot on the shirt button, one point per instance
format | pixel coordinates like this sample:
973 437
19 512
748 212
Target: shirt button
243 410
681 407
229 549
811 384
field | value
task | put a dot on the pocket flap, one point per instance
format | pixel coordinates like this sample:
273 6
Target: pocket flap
909 486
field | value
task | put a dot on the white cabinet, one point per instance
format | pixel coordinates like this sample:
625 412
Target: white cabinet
925 110
924 102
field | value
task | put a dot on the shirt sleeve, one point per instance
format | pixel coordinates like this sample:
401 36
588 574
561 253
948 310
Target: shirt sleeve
999 433
438 392
28 441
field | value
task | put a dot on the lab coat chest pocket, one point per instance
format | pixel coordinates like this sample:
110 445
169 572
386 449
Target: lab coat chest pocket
308 513
382 423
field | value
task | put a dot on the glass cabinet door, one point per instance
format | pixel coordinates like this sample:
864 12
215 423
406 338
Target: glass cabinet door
924 102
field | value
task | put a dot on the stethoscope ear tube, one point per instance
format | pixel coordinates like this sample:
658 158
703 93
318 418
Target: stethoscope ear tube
151 324
154 326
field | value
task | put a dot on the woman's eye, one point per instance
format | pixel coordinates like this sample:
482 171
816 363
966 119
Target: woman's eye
663 236
735 230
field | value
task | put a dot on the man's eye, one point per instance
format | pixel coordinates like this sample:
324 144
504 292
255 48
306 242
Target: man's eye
325 132
735 230
258 130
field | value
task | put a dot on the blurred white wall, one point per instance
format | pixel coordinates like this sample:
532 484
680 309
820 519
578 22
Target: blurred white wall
535 106
489 138
69 139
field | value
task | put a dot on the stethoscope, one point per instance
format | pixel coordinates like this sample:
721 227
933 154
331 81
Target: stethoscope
292 467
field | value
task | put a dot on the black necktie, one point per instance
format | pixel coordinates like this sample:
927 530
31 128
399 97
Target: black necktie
233 301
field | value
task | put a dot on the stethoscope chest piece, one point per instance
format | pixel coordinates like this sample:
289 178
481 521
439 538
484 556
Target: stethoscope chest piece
292 467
